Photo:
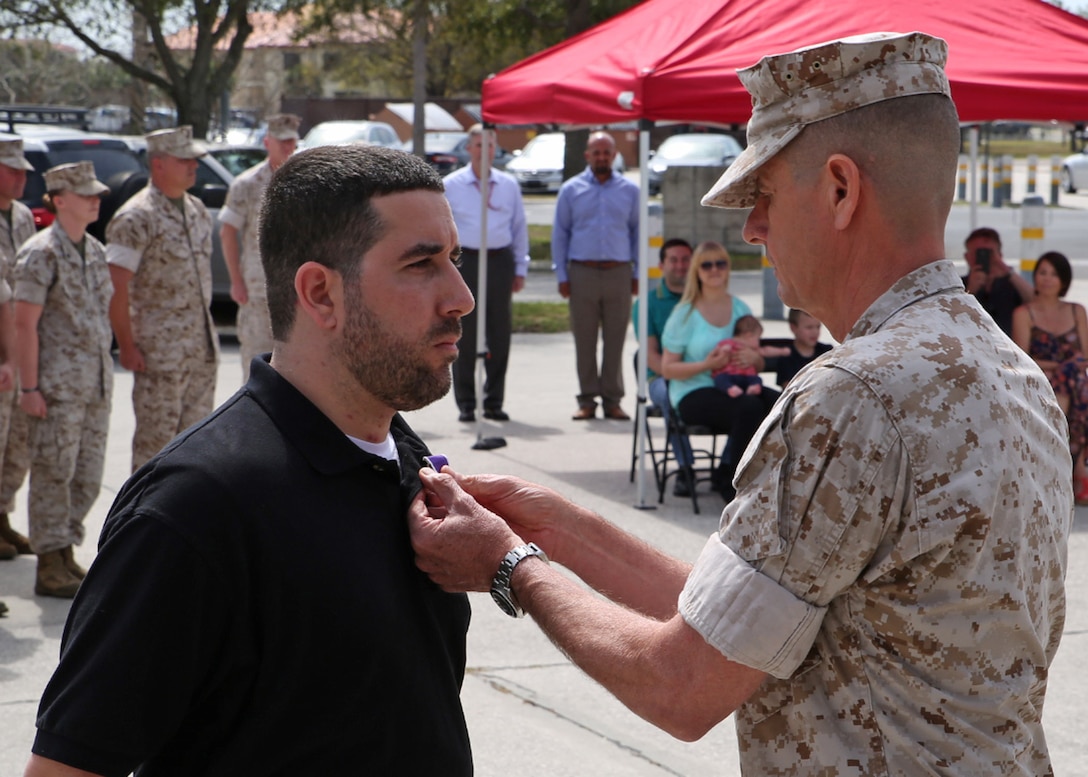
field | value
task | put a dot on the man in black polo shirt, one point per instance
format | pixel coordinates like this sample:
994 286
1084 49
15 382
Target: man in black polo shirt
254 608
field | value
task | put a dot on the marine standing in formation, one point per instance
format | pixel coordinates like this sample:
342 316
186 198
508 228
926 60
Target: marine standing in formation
16 227
62 297
159 252
238 236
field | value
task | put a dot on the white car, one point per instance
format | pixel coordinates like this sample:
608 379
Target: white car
539 166
330 133
698 149
1075 171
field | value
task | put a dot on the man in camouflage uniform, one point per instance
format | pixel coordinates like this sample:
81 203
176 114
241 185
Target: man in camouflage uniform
62 298
238 236
885 595
159 247
16 227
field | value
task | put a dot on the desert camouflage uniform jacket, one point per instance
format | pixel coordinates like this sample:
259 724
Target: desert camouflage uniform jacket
171 289
22 229
74 361
242 211
895 557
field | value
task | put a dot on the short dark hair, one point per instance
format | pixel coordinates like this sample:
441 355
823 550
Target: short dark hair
984 233
672 243
1061 266
794 316
745 324
317 208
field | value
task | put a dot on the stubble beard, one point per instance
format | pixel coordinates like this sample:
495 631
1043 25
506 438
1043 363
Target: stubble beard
391 368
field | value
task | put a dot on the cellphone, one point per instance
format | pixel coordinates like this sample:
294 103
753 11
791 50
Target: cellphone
982 258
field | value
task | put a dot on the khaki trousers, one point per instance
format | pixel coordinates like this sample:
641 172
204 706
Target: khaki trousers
600 304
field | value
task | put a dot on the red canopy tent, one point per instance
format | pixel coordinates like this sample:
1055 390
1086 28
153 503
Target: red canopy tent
674 60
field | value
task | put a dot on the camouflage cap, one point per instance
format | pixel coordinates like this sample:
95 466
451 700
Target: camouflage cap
284 126
11 154
77 177
791 91
177 142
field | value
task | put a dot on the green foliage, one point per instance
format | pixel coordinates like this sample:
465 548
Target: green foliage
541 317
192 80
467 40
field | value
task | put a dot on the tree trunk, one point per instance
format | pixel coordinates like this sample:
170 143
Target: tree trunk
574 156
137 89
420 18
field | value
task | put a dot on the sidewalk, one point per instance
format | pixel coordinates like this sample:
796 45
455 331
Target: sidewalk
530 712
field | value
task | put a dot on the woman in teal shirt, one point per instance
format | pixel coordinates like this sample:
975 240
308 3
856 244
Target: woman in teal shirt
704 317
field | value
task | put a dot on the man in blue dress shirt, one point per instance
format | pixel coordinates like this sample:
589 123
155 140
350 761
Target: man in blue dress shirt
595 257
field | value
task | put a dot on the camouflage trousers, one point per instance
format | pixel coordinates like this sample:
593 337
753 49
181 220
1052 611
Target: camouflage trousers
67 454
254 332
165 403
14 424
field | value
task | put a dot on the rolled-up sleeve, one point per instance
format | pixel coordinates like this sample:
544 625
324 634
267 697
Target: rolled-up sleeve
748 617
822 494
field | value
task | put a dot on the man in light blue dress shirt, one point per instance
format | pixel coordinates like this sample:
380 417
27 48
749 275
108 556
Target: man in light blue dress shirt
507 264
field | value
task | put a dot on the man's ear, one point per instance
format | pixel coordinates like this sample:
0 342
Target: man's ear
843 181
320 292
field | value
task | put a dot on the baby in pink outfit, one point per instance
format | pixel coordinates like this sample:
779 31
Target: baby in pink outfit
736 379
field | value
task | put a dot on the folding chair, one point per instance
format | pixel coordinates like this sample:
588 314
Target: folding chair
705 461
650 410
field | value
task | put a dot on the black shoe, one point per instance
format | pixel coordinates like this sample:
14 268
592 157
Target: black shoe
682 485
721 480
495 415
467 416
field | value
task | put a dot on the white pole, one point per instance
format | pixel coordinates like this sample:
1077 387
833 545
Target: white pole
973 135
481 279
643 319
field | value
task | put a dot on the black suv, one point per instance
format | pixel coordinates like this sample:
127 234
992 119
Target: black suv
119 163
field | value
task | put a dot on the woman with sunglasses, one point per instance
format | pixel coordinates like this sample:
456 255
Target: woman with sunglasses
703 318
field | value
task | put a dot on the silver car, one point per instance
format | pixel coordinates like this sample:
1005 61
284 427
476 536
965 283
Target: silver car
332 133
697 149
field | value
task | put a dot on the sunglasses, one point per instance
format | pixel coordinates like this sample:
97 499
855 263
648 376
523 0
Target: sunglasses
717 264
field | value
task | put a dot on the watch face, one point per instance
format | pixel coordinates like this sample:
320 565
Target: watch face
505 604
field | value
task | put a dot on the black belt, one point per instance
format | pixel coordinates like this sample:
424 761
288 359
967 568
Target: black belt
600 264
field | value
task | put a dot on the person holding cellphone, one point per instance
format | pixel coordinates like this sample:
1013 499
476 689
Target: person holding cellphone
994 284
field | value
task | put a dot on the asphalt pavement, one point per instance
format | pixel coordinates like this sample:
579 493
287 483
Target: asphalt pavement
530 712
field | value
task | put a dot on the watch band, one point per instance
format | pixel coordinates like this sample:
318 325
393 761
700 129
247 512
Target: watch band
500 585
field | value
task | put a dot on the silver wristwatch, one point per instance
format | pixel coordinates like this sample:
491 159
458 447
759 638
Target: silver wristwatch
500 586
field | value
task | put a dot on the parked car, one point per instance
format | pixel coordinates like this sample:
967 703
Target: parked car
238 158
448 151
539 166
1074 173
697 149
330 133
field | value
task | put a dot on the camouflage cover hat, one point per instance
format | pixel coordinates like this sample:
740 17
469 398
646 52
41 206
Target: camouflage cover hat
284 126
177 142
11 154
77 177
791 91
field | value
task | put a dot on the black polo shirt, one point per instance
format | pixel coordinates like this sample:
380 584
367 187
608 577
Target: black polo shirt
255 609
